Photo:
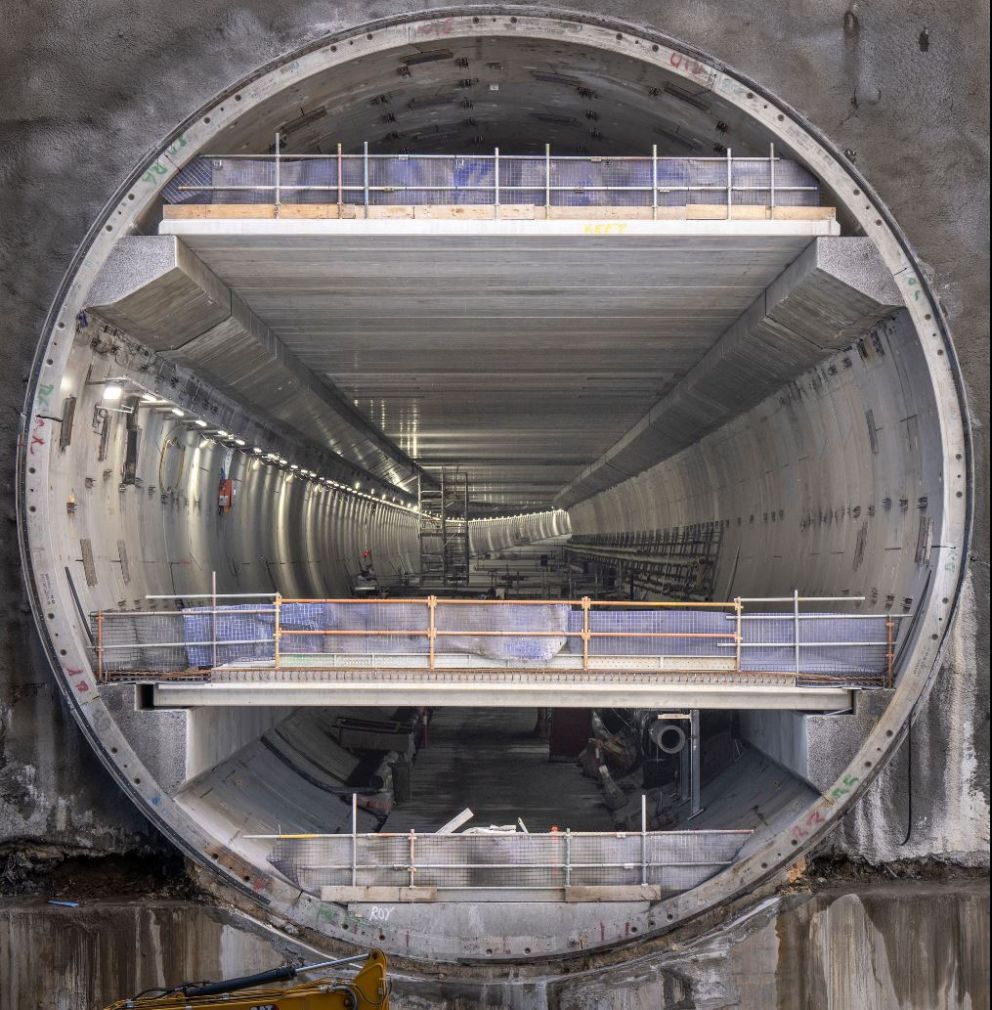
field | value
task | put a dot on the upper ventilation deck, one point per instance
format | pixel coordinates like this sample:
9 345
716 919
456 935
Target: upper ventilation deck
491 186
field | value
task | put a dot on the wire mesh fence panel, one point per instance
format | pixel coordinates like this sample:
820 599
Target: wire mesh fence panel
523 180
471 179
605 860
308 180
503 631
238 633
224 180
835 644
324 633
438 180
601 182
654 632
497 861
678 860
316 627
141 642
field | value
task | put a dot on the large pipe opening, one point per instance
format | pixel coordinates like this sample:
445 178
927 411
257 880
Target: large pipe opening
678 409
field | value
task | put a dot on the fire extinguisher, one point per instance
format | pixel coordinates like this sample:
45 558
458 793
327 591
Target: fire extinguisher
225 495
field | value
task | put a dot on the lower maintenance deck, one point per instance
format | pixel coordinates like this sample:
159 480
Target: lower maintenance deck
500 687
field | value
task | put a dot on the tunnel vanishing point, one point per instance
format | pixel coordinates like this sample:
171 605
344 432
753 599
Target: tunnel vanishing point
462 362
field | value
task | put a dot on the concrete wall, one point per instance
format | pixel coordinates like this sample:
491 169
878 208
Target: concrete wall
901 90
911 945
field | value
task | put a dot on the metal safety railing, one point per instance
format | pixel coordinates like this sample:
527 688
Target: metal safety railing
496 862
496 180
434 634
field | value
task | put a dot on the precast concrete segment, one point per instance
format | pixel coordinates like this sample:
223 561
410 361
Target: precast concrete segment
48 546
155 289
832 294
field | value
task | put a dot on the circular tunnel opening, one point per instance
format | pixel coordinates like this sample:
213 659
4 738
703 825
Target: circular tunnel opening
643 387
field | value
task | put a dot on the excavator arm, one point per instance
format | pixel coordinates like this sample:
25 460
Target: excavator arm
367 990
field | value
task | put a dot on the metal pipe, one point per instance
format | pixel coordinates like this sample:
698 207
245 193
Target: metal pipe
696 775
495 182
208 596
547 180
771 179
796 626
354 839
730 183
340 182
278 195
213 618
654 181
365 176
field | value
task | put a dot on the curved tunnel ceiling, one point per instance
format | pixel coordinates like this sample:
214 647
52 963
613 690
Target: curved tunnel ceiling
792 451
462 96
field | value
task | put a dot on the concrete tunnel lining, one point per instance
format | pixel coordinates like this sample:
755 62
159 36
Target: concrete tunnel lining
632 504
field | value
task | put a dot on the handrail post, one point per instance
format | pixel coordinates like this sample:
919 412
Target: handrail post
771 180
413 857
99 647
354 839
738 631
568 857
654 181
496 181
213 620
340 181
890 627
431 631
586 603
276 631
730 184
644 839
795 622
278 195
365 176
547 181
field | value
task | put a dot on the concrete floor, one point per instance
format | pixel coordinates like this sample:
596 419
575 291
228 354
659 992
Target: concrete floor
491 761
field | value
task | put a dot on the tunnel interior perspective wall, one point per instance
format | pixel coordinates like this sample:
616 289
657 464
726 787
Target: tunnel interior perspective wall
645 408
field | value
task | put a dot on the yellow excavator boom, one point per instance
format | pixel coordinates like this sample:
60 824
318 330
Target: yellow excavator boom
366 990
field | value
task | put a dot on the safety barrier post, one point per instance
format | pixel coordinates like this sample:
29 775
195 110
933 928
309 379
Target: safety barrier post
278 195
771 179
496 180
547 181
354 839
365 176
644 840
586 603
738 632
99 646
413 857
730 183
568 857
795 623
213 620
654 181
340 181
276 630
890 638
431 630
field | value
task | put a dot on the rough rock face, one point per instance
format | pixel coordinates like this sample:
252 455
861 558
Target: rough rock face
86 91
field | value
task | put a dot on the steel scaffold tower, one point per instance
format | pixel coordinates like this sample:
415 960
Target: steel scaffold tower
444 544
